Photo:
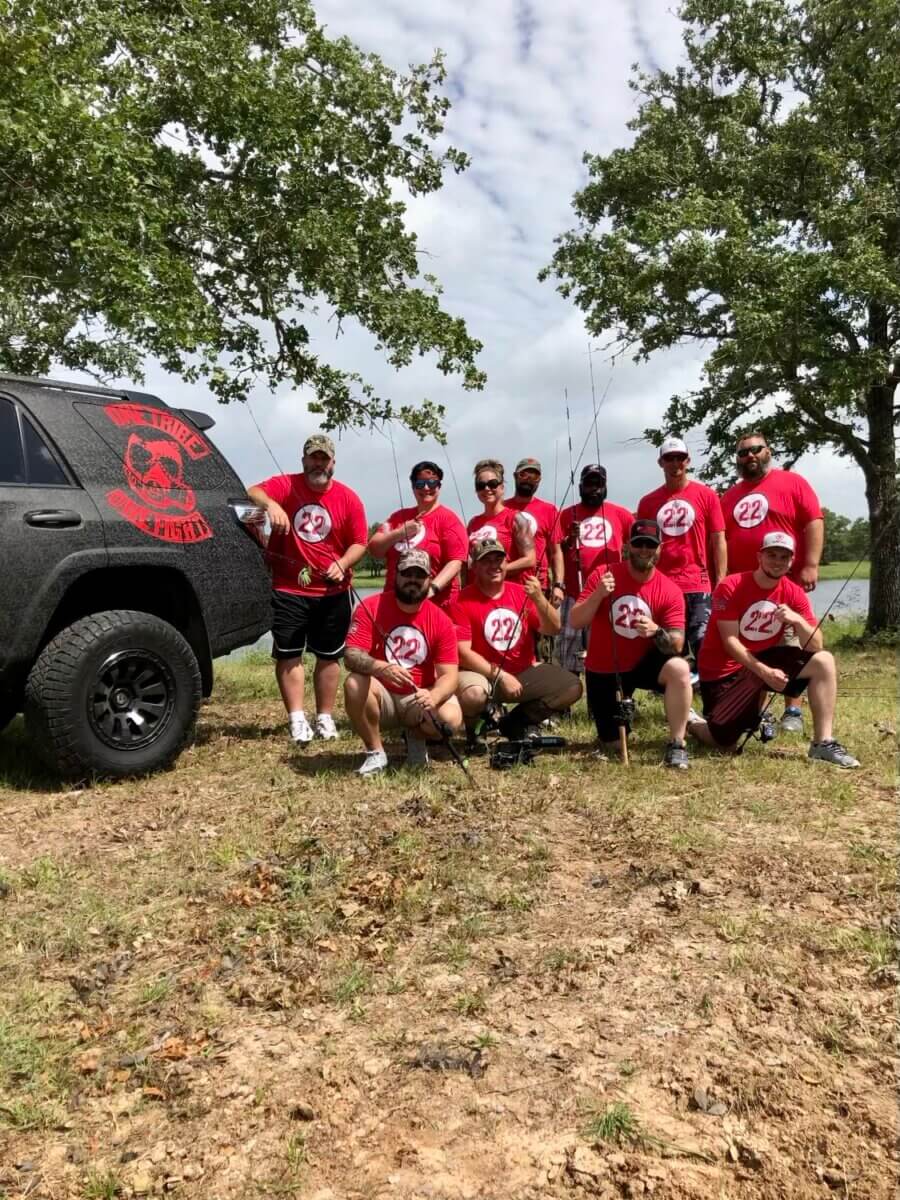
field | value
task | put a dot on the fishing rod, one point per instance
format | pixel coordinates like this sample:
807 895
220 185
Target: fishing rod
739 748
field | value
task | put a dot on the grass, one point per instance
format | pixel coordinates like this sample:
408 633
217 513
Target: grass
286 930
842 570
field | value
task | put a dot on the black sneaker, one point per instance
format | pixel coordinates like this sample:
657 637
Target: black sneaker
676 756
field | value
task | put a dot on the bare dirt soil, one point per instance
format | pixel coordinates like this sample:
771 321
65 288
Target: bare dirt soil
256 975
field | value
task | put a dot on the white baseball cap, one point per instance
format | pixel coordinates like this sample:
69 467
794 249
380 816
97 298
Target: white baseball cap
673 445
783 541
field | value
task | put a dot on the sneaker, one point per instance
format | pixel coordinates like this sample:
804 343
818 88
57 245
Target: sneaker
416 752
301 730
695 679
792 721
325 727
694 718
832 752
375 761
676 756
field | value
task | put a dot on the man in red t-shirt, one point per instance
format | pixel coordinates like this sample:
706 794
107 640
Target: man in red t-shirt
402 658
319 533
763 500
636 620
543 519
744 656
693 551
593 531
496 622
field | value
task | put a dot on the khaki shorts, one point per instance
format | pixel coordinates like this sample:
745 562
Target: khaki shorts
538 682
393 709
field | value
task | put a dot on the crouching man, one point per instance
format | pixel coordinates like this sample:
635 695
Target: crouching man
496 622
637 619
744 656
403 663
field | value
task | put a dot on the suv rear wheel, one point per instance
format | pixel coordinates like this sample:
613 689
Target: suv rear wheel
115 694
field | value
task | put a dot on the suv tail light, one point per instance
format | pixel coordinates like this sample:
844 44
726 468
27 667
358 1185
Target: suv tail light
254 519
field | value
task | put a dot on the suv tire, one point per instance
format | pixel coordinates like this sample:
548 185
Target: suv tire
115 694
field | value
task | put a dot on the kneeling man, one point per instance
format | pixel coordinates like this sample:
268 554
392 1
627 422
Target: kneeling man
744 655
403 663
496 622
636 618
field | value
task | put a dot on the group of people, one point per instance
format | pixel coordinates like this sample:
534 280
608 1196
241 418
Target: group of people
528 606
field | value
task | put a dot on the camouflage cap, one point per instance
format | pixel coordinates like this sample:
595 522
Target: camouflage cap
488 546
319 441
528 464
414 558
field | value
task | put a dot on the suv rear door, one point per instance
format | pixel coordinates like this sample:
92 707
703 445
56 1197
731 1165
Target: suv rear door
50 531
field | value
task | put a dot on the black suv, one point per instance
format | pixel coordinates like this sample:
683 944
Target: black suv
129 562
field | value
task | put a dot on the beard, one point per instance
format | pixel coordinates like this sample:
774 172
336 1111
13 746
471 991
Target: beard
526 490
319 474
752 468
592 497
411 593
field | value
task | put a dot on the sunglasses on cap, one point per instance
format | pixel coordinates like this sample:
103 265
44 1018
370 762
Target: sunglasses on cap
644 543
429 485
487 485
745 450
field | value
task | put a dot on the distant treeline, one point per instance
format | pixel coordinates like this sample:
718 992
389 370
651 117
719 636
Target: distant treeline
846 540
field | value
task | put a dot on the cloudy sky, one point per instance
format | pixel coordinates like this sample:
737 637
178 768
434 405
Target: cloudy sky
533 86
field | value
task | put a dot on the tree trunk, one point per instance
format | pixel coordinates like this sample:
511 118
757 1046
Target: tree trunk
883 495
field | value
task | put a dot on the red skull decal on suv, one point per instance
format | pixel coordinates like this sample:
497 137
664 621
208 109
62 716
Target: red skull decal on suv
161 502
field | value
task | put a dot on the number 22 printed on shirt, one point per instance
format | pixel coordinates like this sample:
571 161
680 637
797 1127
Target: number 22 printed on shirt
751 510
405 646
759 622
626 610
312 523
502 628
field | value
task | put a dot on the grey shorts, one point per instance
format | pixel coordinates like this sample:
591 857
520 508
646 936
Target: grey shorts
571 644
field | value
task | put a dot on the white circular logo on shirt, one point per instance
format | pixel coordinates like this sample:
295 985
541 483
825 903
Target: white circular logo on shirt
625 611
759 621
502 628
751 510
406 646
408 544
595 531
312 523
676 517
484 534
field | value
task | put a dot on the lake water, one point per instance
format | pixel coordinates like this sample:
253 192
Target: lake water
853 603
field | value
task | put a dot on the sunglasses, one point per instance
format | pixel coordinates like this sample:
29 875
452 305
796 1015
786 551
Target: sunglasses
674 458
413 573
754 450
487 485
429 485
644 543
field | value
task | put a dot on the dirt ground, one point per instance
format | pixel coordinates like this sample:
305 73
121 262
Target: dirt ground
255 975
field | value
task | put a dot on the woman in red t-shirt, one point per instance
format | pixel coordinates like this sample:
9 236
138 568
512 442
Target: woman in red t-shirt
427 525
498 523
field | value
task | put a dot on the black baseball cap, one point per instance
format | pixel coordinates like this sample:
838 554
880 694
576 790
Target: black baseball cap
593 469
644 527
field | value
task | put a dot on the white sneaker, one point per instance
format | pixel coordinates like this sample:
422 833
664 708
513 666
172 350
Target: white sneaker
375 761
694 718
301 730
325 727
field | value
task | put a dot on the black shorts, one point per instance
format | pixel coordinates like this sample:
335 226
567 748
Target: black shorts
698 607
318 624
601 690
731 705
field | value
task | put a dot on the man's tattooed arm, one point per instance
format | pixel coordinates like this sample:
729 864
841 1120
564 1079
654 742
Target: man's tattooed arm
360 661
669 641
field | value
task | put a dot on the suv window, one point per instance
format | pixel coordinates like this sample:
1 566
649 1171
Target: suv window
42 466
12 461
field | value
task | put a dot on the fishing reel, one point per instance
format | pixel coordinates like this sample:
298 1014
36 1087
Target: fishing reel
625 711
523 751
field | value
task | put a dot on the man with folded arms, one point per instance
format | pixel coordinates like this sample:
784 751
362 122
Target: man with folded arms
402 657
744 656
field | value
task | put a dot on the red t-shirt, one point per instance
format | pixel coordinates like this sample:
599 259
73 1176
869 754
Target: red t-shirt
416 641
658 597
609 525
323 526
500 526
752 508
543 521
740 598
442 537
501 628
688 518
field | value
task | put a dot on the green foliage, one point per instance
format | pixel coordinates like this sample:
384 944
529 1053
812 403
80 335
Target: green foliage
191 181
845 540
757 211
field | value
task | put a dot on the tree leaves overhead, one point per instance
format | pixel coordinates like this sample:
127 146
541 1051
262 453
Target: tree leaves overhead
193 180
758 211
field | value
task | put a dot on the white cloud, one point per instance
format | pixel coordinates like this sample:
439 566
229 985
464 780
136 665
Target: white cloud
535 85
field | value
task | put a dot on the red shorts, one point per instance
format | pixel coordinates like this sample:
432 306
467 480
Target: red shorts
731 705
